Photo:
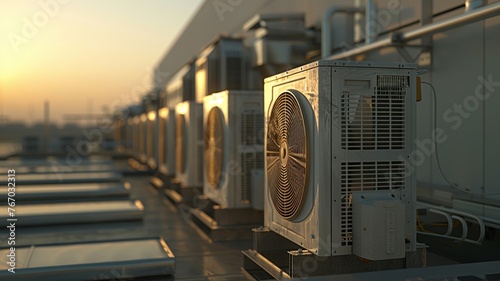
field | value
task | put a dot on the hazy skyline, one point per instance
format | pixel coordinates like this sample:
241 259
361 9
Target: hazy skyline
82 55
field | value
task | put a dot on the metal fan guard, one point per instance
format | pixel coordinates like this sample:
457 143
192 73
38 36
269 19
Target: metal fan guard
214 147
287 156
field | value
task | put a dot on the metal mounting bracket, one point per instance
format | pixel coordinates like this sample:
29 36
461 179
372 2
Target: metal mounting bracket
423 57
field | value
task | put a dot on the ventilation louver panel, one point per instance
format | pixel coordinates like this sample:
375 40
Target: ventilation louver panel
214 146
233 68
252 134
365 176
249 162
251 128
287 156
375 122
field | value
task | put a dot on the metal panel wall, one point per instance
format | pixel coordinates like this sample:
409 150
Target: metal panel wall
492 105
458 62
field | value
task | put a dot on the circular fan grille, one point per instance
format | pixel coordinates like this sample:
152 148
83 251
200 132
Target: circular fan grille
287 159
180 135
214 147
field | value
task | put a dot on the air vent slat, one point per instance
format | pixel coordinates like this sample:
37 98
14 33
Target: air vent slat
249 162
359 176
375 122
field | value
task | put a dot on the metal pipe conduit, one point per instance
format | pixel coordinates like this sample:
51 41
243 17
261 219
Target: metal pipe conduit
326 26
454 22
451 214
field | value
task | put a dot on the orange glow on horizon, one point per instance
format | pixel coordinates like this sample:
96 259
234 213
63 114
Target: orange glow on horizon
82 56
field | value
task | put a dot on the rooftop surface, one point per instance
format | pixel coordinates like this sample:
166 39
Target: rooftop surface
197 258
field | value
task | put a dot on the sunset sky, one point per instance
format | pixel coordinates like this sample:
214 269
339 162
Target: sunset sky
81 55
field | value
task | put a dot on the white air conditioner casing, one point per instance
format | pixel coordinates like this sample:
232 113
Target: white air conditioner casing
343 127
233 147
152 140
189 144
166 142
220 67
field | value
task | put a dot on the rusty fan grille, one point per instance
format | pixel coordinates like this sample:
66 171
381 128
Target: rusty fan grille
287 156
180 135
214 147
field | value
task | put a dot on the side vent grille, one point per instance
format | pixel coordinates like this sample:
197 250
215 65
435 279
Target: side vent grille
375 122
252 136
363 176
249 161
233 69
252 131
213 76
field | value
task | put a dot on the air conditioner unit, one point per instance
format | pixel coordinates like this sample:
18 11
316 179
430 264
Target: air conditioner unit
143 138
220 67
132 136
181 87
277 42
189 144
119 129
136 146
152 140
129 136
234 147
166 142
133 130
336 130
